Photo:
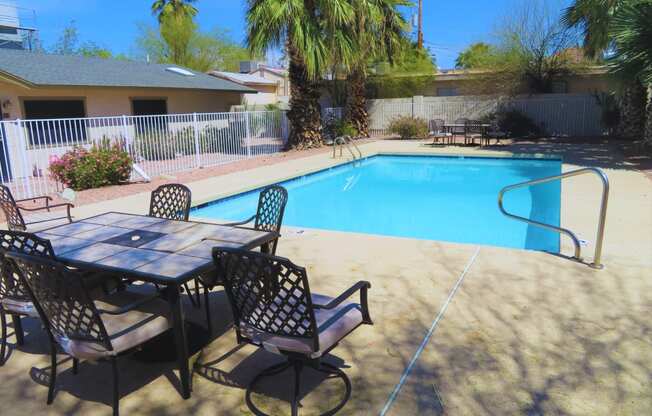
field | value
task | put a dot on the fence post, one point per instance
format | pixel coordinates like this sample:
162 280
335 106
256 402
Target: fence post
417 106
248 133
22 146
195 128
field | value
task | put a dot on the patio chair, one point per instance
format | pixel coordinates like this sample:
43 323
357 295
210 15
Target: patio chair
494 132
460 128
171 201
38 216
268 217
14 296
473 130
84 329
437 131
273 308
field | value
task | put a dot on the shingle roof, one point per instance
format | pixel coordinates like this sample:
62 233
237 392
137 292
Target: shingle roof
244 79
65 70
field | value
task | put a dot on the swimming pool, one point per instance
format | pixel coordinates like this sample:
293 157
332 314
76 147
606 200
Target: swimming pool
449 198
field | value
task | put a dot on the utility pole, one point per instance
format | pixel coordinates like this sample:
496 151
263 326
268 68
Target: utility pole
420 26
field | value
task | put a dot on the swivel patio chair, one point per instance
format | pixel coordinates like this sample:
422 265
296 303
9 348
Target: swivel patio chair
85 329
437 131
473 130
494 132
15 300
173 202
268 217
21 218
460 128
274 309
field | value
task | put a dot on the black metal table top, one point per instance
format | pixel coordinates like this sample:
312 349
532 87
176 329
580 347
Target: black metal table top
153 249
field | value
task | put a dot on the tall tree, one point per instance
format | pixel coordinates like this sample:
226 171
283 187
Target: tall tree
477 55
313 32
177 8
631 32
595 18
378 30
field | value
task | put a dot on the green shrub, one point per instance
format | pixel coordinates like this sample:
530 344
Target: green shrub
165 144
409 127
514 122
85 169
335 127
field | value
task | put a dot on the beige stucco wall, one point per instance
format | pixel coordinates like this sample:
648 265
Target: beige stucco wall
109 101
283 82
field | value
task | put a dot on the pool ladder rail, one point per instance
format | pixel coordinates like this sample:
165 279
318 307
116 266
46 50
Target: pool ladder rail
345 141
576 241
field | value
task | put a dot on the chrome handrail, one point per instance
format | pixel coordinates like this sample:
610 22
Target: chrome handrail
346 141
603 211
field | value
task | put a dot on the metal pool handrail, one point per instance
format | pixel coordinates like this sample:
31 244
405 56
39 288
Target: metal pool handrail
603 211
346 141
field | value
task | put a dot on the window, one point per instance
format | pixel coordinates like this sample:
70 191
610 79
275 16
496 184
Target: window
446 92
55 126
559 87
150 107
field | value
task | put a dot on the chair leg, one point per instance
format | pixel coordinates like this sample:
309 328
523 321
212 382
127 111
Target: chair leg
116 388
207 305
3 340
75 366
298 366
53 371
198 292
18 329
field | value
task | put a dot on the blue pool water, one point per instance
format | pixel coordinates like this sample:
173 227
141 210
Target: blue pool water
425 197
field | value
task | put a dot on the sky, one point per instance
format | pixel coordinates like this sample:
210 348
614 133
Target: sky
449 26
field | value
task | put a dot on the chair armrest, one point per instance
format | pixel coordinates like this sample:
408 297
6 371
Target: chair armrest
363 287
36 198
64 204
248 220
131 306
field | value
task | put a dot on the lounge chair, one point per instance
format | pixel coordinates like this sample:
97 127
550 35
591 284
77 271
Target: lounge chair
85 329
274 309
21 218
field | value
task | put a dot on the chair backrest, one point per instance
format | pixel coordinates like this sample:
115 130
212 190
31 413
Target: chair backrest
460 129
437 125
171 201
11 286
268 293
15 219
271 207
61 299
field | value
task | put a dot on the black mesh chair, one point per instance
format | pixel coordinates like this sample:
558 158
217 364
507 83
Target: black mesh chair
473 130
273 308
85 329
171 201
14 295
438 132
494 132
460 128
269 217
22 218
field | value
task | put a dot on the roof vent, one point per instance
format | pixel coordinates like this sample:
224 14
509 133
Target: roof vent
180 71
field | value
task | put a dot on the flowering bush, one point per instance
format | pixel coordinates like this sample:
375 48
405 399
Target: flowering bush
85 169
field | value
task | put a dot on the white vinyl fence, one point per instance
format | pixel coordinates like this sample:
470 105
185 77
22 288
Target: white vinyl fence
160 144
556 114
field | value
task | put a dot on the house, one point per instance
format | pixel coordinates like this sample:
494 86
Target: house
279 75
268 88
40 86
455 82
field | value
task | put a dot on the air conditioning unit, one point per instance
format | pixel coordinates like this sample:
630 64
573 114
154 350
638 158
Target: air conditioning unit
247 67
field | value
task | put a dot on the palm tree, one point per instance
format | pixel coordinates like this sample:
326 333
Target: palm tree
595 18
631 32
313 32
176 8
378 29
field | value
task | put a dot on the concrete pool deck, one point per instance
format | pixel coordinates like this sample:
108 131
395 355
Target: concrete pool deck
525 332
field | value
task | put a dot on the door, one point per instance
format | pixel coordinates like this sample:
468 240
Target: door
5 165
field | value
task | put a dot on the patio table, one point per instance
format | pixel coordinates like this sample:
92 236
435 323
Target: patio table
164 252
449 127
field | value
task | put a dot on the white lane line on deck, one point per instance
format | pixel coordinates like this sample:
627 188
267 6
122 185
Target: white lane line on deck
426 339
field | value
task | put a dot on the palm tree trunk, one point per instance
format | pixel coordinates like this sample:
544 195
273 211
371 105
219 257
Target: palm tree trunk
632 111
356 102
305 112
648 118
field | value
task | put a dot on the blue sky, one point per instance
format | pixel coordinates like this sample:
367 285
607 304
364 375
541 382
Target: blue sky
449 26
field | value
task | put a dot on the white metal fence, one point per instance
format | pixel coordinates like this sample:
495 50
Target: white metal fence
556 114
161 144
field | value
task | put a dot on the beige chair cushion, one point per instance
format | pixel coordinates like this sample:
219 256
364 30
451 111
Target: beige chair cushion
20 307
125 331
333 325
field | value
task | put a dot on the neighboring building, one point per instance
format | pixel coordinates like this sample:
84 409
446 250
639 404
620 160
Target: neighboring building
13 35
279 75
37 85
455 82
268 89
